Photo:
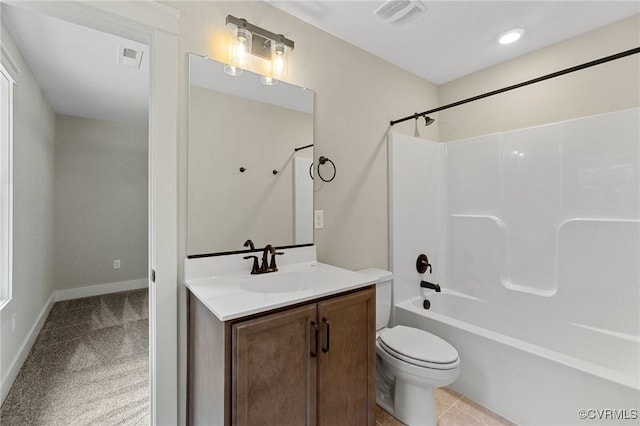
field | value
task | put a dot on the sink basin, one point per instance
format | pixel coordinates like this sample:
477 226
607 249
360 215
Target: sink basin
282 282
231 293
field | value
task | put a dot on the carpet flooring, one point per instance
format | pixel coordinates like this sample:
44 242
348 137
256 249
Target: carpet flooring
89 365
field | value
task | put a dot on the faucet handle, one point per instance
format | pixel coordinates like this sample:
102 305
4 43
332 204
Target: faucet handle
272 265
254 268
422 264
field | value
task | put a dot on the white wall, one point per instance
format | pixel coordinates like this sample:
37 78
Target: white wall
604 88
417 211
100 202
302 198
33 174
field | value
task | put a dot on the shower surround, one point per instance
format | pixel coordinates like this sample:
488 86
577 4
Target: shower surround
534 237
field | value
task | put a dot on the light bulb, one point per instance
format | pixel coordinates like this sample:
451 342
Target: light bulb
279 60
279 49
239 52
278 65
243 35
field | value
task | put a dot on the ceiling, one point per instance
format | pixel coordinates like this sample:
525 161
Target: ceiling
455 38
78 72
77 67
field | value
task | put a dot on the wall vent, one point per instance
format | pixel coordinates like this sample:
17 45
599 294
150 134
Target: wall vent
129 57
399 12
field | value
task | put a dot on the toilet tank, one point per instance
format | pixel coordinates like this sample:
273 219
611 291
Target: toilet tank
383 294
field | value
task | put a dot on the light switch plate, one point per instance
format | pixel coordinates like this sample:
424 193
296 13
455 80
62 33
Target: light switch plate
318 219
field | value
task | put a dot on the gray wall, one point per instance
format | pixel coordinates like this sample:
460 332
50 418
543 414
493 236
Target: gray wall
33 176
101 202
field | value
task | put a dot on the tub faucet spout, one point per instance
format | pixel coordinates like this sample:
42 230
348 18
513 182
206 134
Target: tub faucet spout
432 286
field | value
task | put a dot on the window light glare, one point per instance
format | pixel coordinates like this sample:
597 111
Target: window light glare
510 36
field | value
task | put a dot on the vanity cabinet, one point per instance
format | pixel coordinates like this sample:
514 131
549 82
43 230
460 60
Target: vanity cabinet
311 364
273 372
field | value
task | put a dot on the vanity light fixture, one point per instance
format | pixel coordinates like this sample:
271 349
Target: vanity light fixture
250 40
510 36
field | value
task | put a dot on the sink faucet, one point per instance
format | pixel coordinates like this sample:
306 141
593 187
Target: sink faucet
269 266
265 254
266 265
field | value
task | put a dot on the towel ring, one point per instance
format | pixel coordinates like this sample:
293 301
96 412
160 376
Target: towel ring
322 161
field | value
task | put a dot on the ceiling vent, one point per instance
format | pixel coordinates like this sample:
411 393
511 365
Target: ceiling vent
129 57
399 12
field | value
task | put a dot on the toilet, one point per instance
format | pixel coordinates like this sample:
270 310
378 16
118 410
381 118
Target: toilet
410 363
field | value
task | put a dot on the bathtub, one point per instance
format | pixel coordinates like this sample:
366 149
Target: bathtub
534 236
543 380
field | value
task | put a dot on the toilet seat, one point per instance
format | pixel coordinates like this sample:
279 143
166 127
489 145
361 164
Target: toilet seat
418 347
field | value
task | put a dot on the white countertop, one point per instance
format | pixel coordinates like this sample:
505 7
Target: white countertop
238 294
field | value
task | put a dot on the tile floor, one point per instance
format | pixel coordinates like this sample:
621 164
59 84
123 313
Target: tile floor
453 409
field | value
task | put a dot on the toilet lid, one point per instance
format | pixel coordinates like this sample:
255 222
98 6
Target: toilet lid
419 347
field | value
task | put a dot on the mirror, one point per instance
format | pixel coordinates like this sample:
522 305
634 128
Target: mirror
245 178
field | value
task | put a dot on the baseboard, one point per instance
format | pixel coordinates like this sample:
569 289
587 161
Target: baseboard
100 289
21 356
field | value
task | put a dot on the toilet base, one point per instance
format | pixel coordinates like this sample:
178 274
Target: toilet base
407 391
411 403
415 405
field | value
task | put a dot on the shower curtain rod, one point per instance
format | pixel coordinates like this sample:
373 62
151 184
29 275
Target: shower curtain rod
524 83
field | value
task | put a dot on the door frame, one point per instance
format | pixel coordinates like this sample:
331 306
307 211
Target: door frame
158 26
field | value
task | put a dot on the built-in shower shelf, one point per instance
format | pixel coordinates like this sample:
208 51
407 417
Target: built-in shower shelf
495 219
495 241
526 289
596 220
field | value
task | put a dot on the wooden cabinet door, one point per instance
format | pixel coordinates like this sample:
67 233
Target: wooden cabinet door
346 360
274 369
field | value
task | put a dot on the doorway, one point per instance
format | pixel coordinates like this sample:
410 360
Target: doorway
158 29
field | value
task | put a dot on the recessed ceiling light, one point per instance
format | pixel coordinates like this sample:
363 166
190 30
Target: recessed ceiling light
510 36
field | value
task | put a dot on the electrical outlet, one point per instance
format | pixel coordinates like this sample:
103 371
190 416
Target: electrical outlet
116 264
318 219
13 323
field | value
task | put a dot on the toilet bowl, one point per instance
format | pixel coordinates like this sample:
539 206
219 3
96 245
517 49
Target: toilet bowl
411 363
419 362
